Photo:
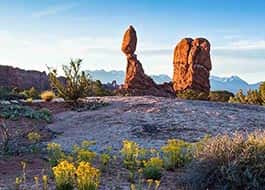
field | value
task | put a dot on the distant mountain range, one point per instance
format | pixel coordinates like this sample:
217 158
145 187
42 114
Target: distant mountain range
232 84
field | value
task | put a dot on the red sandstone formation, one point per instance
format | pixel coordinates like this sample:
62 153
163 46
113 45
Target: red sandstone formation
129 41
15 77
192 65
136 81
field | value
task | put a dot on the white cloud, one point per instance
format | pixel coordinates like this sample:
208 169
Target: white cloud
243 45
53 10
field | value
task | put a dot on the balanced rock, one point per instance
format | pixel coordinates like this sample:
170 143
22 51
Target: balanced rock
192 65
136 81
129 41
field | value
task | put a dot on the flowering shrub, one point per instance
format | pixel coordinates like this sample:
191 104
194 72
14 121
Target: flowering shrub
130 152
153 168
87 177
34 137
83 153
47 96
226 162
64 174
176 153
55 153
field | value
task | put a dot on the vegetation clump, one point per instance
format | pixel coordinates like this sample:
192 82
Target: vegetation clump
64 175
55 153
252 97
176 153
47 96
31 93
153 168
15 111
225 162
190 94
83 152
87 176
220 96
77 84
7 93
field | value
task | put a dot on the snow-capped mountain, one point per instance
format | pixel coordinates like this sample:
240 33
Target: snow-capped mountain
232 84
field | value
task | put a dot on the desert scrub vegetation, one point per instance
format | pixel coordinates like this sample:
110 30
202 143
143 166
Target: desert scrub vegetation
252 97
153 168
16 111
190 94
31 93
8 93
220 96
221 162
77 84
176 153
226 162
47 96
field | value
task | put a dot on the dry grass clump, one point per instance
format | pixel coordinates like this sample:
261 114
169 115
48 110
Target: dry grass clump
225 162
47 96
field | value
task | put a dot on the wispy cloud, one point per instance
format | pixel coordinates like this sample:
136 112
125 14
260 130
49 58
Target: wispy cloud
53 10
243 45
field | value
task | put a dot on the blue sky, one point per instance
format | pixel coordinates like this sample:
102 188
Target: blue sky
36 33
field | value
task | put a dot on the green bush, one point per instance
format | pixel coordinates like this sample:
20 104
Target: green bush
14 112
225 162
98 89
153 168
77 84
220 96
190 94
30 93
176 153
252 97
55 153
262 92
7 93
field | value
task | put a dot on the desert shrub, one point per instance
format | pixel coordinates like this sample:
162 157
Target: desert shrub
225 162
220 96
55 153
64 175
130 152
83 152
252 97
176 153
30 93
190 94
153 168
7 93
14 111
77 84
262 92
47 96
87 177
98 89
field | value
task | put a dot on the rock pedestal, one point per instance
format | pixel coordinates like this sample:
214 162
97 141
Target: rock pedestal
136 82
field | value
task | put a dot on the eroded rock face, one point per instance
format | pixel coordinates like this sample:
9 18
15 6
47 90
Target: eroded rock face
22 79
136 81
192 65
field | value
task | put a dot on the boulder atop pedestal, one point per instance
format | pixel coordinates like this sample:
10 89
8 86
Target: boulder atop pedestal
136 82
